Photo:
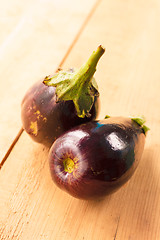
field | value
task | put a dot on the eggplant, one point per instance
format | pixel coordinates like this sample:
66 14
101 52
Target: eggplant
61 101
95 159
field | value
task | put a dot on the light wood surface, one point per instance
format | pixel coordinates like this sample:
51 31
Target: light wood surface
35 38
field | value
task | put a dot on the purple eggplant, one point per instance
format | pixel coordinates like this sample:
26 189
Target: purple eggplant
61 102
96 158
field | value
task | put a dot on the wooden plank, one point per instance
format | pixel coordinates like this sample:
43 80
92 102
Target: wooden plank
31 206
34 49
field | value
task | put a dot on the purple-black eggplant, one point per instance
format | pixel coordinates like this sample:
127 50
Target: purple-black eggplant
62 101
96 158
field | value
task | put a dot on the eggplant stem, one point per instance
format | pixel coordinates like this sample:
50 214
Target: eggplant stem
87 70
140 121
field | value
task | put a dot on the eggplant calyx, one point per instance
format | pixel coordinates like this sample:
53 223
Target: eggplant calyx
140 121
107 116
78 86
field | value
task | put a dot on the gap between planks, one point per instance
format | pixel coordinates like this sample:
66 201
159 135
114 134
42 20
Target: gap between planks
59 66
11 147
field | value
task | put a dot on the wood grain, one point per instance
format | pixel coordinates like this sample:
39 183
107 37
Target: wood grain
11 13
31 206
42 34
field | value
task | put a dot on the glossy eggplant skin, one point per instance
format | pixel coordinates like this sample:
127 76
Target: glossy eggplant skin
105 155
45 119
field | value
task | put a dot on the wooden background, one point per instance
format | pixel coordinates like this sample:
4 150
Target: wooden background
38 36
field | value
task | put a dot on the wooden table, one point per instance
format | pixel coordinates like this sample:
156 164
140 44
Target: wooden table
36 38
